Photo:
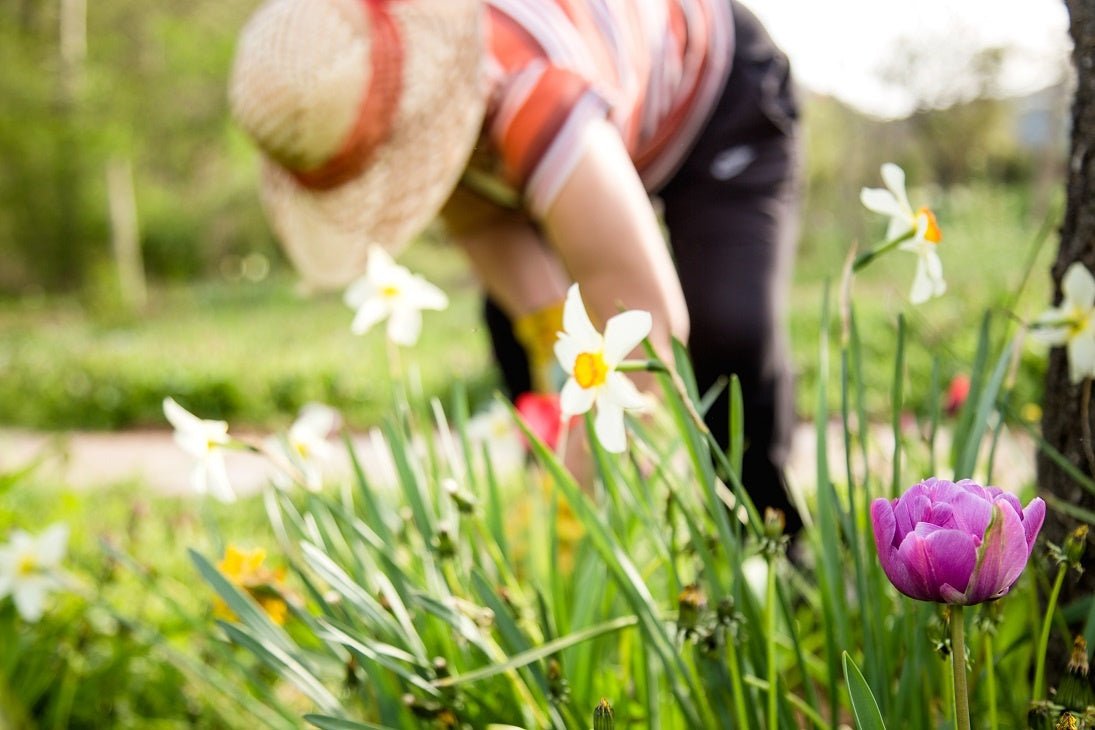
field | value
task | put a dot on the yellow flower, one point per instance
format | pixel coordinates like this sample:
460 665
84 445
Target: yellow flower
245 569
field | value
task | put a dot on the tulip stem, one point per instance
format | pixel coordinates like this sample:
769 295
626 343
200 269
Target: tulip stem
1043 637
958 668
990 681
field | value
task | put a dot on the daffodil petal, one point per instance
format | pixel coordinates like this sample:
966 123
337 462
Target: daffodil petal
380 261
1081 357
576 321
609 427
620 391
1079 287
359 292
428 296
922 286
368 314
404 326
567 350
880 201
623 333
574 399
30 598
1048 328
52 544
894 178
216 475
934 266
180 418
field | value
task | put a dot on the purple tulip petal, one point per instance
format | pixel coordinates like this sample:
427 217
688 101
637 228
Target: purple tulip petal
973 513
1001 558
912 570
1033 517
913 508
952 595
885 526
952 556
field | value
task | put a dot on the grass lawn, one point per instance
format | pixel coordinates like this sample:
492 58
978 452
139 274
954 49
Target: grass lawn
254 353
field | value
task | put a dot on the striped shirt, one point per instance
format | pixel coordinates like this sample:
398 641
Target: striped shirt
654 68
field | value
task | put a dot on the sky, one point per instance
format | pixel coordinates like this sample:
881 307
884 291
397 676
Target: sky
840 47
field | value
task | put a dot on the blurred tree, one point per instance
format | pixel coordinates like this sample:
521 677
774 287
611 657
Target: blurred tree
85 83
1067 406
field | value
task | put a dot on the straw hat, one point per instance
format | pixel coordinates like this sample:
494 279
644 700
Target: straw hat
366 112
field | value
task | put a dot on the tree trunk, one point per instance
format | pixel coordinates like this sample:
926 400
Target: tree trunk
1064 407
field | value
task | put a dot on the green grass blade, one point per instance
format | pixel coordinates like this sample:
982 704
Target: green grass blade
540 652
897 402
285 664
325 722
986 402
867 715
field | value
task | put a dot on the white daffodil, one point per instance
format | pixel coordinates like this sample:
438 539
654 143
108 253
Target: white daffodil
30 568
390 291
591 361
919 226
494 428
1073 322
306 445
205 441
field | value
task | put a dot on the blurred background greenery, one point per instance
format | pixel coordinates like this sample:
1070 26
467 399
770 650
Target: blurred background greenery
136 262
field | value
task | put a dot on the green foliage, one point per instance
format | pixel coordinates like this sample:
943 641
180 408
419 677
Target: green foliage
126 643
251 353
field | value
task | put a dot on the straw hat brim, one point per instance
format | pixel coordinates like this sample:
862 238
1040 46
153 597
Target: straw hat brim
327 233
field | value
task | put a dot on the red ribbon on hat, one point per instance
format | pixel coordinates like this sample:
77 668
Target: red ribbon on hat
376 112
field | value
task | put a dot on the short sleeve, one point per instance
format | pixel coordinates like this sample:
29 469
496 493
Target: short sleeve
541 112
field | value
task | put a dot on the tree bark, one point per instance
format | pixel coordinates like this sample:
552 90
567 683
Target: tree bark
1064 407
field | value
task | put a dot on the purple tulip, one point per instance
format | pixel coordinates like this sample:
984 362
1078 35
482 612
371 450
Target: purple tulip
955 543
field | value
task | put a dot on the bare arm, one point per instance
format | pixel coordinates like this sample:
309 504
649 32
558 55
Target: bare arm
605 230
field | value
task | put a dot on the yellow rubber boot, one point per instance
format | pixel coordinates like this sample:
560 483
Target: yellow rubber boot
537 332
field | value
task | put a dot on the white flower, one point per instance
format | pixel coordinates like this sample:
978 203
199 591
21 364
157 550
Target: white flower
205 441
30 568
306 445
591 361
390 291
920 223
1071 323
495 429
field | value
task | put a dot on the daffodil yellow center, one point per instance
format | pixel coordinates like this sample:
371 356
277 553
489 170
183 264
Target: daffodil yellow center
590 370
1079 322
302 449
26 565
932 234
389 291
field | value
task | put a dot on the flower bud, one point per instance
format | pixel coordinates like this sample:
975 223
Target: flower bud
603 716
1068 721
1040 715
1074 692
691 602
464 502
1074 548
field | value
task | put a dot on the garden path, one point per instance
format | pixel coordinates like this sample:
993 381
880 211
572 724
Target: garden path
85 460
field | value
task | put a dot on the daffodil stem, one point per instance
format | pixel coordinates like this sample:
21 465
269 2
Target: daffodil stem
641 366
735 682
773 678
868 256
958 668
1043 637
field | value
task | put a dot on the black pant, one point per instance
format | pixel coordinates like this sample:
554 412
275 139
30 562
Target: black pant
731 211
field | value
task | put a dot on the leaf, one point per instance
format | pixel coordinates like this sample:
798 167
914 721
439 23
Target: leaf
325 722
864 707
